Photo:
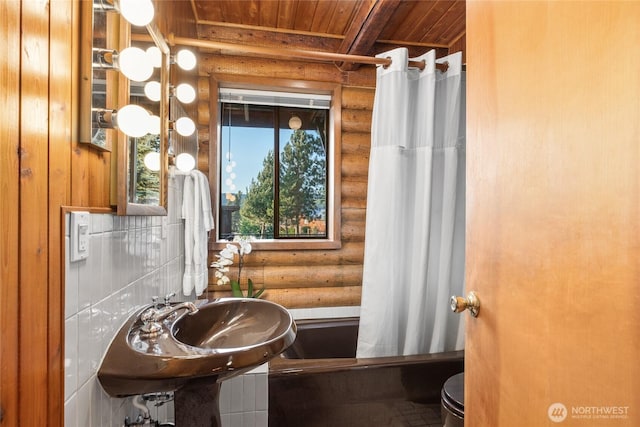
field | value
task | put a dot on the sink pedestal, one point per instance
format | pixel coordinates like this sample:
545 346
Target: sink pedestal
197 404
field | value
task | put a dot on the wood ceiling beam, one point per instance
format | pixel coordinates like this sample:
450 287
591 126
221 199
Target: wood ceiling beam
365 28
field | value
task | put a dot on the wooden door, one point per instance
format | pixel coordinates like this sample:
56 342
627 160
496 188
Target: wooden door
553 213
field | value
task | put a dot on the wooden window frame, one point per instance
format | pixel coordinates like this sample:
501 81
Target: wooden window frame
333 239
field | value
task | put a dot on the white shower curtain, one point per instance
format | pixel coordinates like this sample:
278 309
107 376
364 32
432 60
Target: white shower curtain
414 239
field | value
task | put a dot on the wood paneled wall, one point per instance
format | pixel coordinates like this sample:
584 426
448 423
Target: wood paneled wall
309 278
10 210
42 169
36 73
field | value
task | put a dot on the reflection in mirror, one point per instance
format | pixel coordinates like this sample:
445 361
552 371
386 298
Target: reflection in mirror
144 151
100 37
142 159
145 167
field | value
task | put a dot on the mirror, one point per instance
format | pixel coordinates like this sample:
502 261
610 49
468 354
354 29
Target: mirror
100 30
142 161
106 39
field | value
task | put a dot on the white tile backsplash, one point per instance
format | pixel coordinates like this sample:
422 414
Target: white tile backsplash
244 399
248 393
262 418
70 356
262 392
70 284
129 262
71 412
248 419
84 404
87 343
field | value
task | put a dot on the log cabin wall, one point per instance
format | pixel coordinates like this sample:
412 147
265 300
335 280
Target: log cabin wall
307 278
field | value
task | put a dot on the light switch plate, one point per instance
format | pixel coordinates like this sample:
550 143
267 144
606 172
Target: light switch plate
79 236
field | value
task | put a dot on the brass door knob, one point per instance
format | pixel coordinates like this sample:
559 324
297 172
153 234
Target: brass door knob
471 303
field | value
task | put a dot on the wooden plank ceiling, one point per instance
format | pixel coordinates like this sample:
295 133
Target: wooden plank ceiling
359 27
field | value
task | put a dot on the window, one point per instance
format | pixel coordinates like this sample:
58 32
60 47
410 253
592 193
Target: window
276 168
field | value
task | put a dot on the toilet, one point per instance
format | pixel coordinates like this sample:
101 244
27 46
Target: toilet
452 401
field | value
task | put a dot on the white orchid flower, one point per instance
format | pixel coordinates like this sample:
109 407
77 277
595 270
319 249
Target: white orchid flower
227 253
220 275
222 269
222 261
223 280
232 248
245 247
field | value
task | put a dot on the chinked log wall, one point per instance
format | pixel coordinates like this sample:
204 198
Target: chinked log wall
308 278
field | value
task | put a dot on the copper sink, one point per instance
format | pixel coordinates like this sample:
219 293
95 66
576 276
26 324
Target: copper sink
224 338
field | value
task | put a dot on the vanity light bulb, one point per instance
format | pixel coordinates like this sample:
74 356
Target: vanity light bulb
185 162
133 120
154 56
185 126
133 63
154 125
137 12
185 93
186 59
152 161
152 90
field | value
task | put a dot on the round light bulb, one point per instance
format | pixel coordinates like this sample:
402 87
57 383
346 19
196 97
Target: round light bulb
185 93
186 59
154 125
152 161
185 162
152 90
185 126
137 12
154 56
133 120
228 168
295 122
133 63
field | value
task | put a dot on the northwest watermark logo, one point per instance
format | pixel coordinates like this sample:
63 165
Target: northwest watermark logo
558 412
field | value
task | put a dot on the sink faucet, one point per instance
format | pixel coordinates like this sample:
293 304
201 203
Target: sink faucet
154 315
159 314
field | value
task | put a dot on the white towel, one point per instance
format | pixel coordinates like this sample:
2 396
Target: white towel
198 221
